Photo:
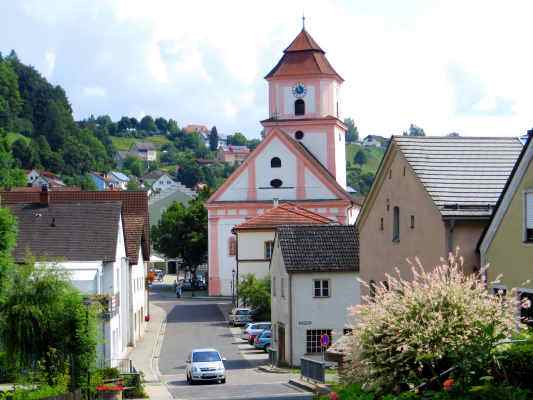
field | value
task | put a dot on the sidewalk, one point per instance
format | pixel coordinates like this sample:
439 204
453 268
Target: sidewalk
145 355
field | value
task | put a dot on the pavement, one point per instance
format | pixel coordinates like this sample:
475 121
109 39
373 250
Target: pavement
176 327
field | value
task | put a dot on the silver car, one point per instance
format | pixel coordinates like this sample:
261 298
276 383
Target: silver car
205 365
240 316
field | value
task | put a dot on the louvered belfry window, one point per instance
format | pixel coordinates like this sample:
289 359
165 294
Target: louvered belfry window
529 217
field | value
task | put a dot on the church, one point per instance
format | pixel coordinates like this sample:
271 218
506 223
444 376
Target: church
301 160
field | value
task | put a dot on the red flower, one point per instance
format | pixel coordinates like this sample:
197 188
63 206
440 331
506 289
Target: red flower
448 384
110 388
333 396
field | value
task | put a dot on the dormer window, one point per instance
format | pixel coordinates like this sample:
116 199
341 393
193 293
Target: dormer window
275 162
276 183
299 107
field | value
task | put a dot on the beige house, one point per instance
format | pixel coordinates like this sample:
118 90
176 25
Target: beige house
507 244
430 196
255 237
314 273
233 154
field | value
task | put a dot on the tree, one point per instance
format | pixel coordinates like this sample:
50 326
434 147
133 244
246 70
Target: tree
253 143
134 166
255 293
10 175
360 157
414 131
213 139
123 124
133 185
182 232
173 127
162 124
237 139
10 100
352 135
25 154
147 124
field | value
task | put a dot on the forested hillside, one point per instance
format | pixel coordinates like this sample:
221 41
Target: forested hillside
361 165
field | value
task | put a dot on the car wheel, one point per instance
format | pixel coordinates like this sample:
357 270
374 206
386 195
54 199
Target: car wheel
223 380
266 348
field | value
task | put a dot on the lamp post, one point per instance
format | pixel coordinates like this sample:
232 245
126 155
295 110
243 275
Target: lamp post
233 286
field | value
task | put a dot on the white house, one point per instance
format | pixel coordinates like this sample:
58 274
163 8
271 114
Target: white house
44 178
99 238
145 151
118 180
373 140
301 159
159 181
255 237
314 272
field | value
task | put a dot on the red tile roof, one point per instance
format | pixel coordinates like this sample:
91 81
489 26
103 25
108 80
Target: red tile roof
284 214
134 212
303 57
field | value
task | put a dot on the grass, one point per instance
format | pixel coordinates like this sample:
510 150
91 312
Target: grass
373 155
125 143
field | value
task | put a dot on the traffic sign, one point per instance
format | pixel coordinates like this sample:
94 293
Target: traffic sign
324 340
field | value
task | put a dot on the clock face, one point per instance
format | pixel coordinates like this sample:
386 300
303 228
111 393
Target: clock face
299 90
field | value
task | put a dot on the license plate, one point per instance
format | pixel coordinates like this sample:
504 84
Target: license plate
209 376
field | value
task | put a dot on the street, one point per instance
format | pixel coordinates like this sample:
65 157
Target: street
195 323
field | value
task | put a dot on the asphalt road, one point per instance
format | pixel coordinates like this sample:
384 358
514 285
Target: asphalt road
196 324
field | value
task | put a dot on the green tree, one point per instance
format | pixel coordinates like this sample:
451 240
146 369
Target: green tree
360 157
352 135
133 185
25 154
414 131
213 139
124 124
10 175
255 293
147 124
173 127
10 100
182 232
237 139
134 166
253 143
162 124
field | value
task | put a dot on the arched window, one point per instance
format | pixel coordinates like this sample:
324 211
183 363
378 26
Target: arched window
299 107
275 163
299 135
276 183
396 224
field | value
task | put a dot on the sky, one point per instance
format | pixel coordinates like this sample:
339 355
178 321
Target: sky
447 66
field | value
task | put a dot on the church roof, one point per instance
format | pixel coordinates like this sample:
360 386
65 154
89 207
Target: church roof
284 214
303 57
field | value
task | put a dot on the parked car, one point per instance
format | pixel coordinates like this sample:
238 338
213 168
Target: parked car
255 329
205 365
240 316
263 341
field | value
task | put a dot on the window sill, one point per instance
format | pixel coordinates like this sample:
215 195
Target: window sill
395 240
321 297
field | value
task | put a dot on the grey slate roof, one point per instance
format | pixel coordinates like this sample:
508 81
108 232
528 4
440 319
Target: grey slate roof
319 248
463 175
82 231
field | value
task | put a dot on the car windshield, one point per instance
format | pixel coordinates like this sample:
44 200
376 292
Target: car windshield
243 312
206 356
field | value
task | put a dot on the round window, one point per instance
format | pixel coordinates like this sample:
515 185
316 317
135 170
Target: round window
299 135
276 183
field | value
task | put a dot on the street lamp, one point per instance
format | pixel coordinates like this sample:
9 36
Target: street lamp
233 286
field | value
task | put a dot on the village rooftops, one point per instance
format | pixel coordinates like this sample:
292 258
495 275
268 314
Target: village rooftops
464 176
284 214
67 232
319 248
144 146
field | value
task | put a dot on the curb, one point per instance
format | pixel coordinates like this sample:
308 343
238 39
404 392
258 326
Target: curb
310 387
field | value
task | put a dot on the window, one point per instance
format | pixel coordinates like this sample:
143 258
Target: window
275 163
396 225
232 246
526 307
499 290
381 224
390 173
312 340
321 288
274 286
388 205
276 183
282 287
269 249
528 236
299 135
299 107
403 171
412 222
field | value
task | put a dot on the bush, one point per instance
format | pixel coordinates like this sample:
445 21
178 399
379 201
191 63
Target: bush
412 331
255 293
513 364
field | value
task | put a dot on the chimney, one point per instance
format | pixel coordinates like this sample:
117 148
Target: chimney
44 196
276 201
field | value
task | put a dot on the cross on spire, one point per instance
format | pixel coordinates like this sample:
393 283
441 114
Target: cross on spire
303 21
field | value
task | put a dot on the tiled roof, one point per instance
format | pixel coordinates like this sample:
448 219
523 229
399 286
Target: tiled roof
134 208
84 231
284 214
144 146
463 175
319 248
303 57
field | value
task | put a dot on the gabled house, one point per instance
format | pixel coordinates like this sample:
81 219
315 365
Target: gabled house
39 179
430 196
102 240
373 140
159 181
145 151
254 238
314 271
117 180
232 154
99 180
507 243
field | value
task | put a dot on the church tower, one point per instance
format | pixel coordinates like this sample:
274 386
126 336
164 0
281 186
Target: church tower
304 101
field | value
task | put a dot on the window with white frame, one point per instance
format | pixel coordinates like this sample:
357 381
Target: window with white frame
269 249
321 288
528 211
282 287
274 286
312 340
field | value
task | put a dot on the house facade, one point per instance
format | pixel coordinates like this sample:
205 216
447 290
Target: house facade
507 244
44 178
117 180
301 159
145 151
430 196
314 273
233 154
255 237
373 140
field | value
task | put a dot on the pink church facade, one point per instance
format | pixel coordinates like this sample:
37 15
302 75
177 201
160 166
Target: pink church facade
302 158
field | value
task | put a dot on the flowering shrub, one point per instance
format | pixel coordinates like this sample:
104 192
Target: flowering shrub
414 330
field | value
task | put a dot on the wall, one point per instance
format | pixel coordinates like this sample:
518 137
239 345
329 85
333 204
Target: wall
466 236
508 254
139 297
321 313
251 252
378 253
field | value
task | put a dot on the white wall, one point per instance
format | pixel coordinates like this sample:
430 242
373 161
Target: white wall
317 143
340 156
164 182
315 189
251 249
139 297
226 263
238 190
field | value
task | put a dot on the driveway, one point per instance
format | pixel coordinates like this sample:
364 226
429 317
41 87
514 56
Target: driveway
200 323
